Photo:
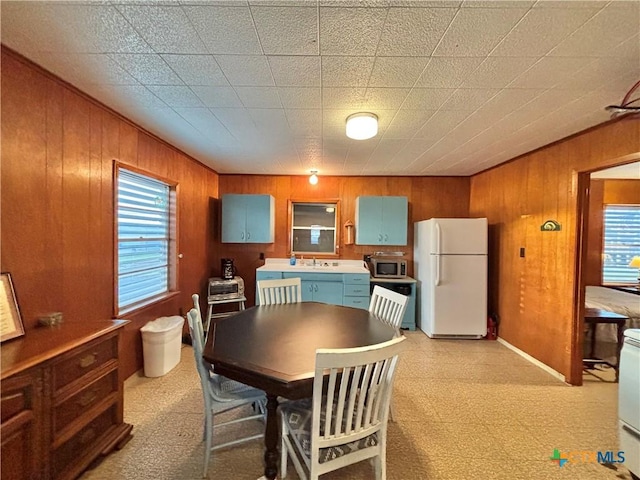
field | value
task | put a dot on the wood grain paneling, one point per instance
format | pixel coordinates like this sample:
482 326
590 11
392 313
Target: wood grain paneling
601 193
428 197
58 149
518 197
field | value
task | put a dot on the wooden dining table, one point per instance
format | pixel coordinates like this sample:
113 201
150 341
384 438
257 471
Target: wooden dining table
272 347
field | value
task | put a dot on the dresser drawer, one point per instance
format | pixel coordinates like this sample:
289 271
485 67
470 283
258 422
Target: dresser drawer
84 400
84 360
67 456
357 302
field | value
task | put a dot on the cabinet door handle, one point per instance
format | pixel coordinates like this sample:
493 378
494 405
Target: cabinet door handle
87 398
88 360
242 235
311 288
315 288
380 237
386 237
248 235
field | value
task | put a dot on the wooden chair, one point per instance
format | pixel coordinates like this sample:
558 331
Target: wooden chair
346 420
387 305
221 395
279 291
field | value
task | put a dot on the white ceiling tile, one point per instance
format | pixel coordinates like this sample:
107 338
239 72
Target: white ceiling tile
628 49
146 68
619 20
166 29
476 31
136 96
541 30
176 96
396 71
236 120
507 101
468 100
305 122
427 98
346 71
447 72
245 70
414 31
259 97
89 67
225 29
217 96
356 3
599 73
406 123
287 30
350 31
343 97
550 71
496 72
295 71
204 121
384 98
498 3
196 69
439 124
272 122
300 97
564 4
95 28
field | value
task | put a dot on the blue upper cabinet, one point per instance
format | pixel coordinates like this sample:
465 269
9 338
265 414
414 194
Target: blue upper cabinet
381 220
248 218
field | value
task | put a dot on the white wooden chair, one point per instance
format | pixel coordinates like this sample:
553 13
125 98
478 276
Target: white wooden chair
389 306
221 395
279 291
346 420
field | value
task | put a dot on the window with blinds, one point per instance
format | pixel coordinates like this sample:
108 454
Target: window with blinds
621 243
144 238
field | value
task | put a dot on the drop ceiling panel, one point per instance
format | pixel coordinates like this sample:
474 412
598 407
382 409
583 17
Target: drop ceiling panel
265 86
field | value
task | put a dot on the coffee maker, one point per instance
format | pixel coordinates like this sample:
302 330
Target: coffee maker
227 270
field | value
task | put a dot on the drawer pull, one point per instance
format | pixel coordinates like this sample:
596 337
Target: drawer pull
88 360
87 398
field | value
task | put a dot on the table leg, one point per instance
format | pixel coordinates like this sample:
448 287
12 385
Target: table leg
271 438
592 332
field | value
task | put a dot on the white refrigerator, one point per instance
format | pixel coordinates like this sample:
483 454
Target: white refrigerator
450 265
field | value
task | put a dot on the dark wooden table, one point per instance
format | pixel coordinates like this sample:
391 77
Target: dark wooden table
594 316
273 348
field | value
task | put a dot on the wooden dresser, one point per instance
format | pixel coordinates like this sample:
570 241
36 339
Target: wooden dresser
62 400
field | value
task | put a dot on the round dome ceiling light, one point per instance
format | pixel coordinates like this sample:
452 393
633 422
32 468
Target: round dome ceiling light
361 126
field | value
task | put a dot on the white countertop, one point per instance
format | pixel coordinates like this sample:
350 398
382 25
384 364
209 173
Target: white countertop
322 265
393 280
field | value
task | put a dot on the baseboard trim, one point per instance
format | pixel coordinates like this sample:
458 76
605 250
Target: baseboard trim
536 362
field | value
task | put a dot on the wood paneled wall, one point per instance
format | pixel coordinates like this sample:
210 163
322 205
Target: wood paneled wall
58 148
428 197
535 295
601 193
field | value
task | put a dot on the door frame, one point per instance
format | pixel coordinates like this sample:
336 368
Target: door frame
583 182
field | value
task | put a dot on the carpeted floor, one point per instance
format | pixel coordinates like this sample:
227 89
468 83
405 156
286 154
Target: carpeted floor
466 409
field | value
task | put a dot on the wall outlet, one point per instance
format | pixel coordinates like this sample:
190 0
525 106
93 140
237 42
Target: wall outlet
521 252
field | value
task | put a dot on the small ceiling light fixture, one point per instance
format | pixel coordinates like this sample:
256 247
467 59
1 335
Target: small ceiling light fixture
361 126
313 179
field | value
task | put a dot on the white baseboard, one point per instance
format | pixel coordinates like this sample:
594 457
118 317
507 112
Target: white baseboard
536 362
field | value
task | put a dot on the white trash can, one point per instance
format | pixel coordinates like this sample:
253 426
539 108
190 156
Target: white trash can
161 345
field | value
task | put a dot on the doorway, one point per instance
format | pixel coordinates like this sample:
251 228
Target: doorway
625 168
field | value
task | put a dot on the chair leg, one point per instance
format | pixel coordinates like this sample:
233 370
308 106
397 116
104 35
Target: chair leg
392 415
283 452
208 439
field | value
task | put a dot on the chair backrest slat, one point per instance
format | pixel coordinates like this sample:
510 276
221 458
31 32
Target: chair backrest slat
279 291
359 401
389 306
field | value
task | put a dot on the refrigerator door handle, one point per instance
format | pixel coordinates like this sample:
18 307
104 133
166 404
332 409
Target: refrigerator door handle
438 238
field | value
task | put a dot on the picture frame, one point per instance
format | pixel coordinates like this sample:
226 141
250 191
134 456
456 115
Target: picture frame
11 325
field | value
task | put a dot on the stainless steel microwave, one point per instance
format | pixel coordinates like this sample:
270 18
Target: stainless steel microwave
388 268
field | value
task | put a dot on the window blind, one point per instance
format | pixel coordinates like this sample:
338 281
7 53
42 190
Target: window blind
143 237
621 243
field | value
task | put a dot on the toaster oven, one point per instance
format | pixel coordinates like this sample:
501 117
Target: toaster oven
221 289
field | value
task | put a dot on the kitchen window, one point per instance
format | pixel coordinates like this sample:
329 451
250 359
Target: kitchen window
621 243
145 229
314 227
